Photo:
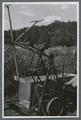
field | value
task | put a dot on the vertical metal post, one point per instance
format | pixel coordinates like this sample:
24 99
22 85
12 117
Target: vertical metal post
14 53
10 23
12 42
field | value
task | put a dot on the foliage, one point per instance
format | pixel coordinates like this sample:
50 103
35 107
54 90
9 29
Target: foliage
62 33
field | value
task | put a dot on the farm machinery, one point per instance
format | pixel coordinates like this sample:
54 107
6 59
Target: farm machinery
52 96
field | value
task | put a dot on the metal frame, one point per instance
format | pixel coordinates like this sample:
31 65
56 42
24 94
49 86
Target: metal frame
35 50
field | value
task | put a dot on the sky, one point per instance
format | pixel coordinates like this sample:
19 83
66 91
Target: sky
23 14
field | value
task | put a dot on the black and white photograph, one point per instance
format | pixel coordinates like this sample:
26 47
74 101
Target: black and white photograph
40 60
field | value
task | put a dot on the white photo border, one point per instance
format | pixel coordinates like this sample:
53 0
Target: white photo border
37 3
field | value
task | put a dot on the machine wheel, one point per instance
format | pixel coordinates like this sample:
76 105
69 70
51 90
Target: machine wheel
54 107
